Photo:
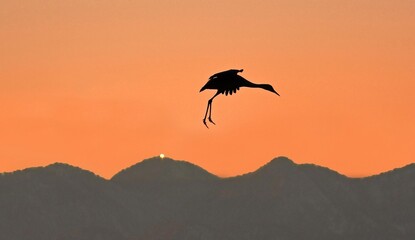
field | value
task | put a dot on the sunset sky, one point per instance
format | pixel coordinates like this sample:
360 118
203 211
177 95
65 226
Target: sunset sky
104 84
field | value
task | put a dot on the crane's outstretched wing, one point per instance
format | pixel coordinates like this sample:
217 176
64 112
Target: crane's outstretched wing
229 72
227 82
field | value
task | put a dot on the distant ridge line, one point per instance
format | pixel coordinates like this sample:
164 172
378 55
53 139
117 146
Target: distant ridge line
278 161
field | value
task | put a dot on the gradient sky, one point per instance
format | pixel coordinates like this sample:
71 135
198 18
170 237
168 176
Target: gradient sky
104 84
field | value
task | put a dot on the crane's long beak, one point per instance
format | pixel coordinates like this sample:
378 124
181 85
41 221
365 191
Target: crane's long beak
276 93
272 90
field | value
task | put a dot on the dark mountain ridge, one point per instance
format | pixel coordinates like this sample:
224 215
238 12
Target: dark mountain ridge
162 170
169 199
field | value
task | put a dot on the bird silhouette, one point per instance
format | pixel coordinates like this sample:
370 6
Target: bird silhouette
228 82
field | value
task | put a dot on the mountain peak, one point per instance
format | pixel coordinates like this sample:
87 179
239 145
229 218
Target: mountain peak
162 169
59 165
279 163
65 168
282 161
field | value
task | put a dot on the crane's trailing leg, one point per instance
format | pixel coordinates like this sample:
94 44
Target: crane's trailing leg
210 113
209 110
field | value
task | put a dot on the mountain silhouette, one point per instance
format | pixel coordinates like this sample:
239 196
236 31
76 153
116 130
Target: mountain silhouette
169 199
161 170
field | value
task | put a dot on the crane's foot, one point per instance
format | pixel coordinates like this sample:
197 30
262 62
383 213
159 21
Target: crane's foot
210 120
204 122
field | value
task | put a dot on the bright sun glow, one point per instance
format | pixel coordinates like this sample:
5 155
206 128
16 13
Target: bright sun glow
162 155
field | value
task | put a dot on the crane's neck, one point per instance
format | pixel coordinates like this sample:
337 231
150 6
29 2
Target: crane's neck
263 86
256 85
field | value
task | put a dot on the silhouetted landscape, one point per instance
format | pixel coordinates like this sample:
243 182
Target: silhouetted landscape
168 199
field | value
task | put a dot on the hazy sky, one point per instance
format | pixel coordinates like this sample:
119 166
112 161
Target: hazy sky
104 84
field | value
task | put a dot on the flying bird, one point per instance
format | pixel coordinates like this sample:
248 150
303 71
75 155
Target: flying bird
228 82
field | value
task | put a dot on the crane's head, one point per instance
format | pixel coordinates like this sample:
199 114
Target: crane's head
269 88
240 70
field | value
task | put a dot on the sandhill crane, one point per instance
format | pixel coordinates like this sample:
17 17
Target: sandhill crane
228 82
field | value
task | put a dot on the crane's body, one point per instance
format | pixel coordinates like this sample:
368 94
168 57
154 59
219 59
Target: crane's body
228 82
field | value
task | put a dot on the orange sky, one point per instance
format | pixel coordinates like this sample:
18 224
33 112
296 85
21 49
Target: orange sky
104 84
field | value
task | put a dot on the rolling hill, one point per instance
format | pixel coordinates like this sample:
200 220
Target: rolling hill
169 199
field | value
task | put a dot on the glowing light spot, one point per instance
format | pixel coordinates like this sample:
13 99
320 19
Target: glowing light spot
162 156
